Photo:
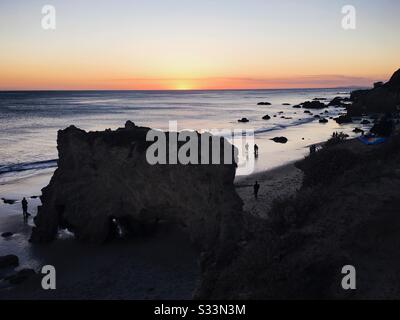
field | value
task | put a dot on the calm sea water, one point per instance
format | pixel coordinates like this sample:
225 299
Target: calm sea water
29 121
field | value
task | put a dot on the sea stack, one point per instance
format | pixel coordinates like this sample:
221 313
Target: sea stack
104 176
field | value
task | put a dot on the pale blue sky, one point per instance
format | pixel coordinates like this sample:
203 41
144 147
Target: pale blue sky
119 43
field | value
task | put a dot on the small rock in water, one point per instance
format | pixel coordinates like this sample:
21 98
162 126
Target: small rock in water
343 119
7 234
266 117
20 276
358 130
244 120
323 120
280 139
365 122
34 197
8 201
336 102
263 104
314 105
9 261
286 104
297 107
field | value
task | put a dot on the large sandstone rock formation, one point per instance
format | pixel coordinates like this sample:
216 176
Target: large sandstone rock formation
383 98
104 177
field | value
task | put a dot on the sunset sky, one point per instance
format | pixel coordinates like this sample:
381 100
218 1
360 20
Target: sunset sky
193 44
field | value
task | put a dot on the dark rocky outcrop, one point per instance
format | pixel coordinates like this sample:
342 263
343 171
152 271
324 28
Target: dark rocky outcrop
105 174
282 140
266 117
8 201
263 104
336 102
297 106
343 119
381 99
243 120
383 127
21 276
358 130
9 261
7 234
346 213
104 177
313 105
323 120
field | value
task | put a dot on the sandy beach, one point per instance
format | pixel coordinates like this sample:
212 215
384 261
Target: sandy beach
276 183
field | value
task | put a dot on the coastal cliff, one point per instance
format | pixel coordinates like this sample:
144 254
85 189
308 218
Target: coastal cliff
384 97
346 213
104 181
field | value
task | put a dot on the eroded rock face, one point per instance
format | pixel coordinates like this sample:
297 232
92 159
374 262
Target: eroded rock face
381 99
105 175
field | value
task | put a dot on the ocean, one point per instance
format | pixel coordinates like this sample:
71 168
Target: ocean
29 121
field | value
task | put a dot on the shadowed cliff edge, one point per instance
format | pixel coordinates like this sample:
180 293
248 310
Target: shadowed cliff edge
384 97
346 213
103 179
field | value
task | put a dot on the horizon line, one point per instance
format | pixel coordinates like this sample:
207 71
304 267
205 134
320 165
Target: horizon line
183 90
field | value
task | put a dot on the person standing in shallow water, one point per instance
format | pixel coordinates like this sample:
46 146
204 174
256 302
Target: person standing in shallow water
25 208
256 189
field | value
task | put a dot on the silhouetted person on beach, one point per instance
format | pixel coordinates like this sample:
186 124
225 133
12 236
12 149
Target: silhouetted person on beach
256 189
313 149
25 209
256 150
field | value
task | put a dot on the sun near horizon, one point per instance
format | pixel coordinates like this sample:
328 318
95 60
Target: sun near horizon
99 45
